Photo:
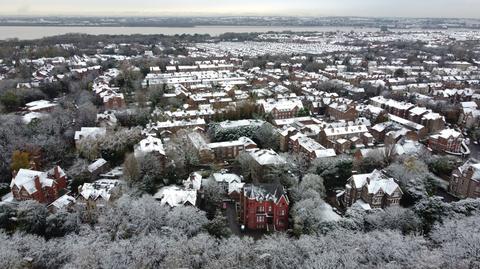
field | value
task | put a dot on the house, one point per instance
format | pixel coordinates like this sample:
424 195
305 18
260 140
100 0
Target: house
308 147
262 161
43 187
107 119
447 140
264 207
151 145
396 108
226 179
465 180
99 194
194 181
470 114
342 110
229 150
235 190
373 190
343 139
174 196
420 130
64 203
89 133
171 127
281 109
390 132
40 106
219 151
98 167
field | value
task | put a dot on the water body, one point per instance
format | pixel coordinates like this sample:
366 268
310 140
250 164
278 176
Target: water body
36 32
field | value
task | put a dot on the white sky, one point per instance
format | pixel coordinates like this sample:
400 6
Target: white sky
379 8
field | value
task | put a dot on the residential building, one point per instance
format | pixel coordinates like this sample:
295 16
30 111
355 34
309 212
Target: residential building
219 151
264 207
151 145
226 179
89 133
99 194
447 140
281 109
64 203
262 161
465 180
374 189
43 187
174 196
309 148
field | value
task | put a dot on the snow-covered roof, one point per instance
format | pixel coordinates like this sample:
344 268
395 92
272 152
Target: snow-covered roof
325 153
474 165
240 123
281 105
26 178
27 118
228 178
194 181
149 145
96 164
375 182
346 130
176 196
265 192
102 188
90 132
40 105
266 157
63 202
446 134
235 187
406 123
242 141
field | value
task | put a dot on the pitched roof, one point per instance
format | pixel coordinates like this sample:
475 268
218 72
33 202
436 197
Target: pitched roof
26 178
265 192
375 182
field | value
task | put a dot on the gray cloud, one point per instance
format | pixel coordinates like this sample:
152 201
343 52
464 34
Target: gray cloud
401 8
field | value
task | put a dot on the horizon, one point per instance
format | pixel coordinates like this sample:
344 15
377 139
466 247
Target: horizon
464 9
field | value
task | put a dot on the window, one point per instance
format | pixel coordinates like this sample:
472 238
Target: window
260 218
269 208
260 209
282 212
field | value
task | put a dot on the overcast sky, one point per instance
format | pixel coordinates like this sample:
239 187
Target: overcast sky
379 8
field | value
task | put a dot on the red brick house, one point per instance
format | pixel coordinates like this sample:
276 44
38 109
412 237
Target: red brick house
342 111
44 187
465 180
447 140
264 207
114 101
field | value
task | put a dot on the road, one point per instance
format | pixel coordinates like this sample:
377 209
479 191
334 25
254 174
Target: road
475 151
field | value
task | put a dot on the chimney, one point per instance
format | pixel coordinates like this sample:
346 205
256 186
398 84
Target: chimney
56 172
38 185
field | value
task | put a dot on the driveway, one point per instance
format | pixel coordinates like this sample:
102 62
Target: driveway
231 215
